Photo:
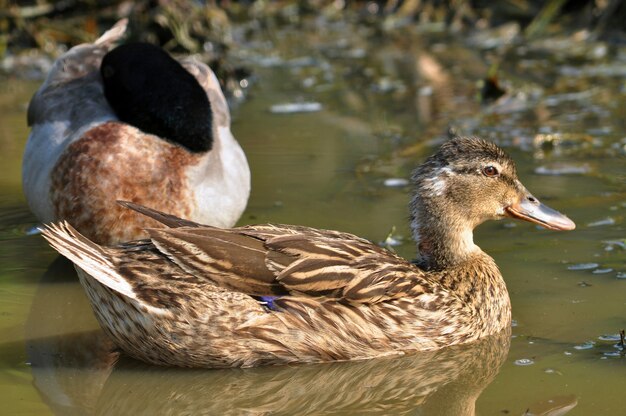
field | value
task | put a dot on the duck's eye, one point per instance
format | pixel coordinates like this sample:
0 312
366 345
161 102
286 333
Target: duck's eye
490 171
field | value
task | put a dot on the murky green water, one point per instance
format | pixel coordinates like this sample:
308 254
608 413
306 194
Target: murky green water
327 169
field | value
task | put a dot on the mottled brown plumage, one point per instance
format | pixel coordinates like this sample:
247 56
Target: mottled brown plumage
199 296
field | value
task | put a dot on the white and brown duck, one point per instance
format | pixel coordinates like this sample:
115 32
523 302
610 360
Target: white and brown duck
131 122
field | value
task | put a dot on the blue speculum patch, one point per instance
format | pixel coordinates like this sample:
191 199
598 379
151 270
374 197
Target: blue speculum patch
269 302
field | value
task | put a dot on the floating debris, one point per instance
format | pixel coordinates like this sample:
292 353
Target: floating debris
554 100
584 284
602 271
552 371
618 343
611 244
511 103
563 170
491 38
266 61
356 53
600 131
524 362
546 139
609 337
396 182
585 346
301 62
617 70
386 84
556 405
308 82
583 266
290 108
392 239
621 275
605 221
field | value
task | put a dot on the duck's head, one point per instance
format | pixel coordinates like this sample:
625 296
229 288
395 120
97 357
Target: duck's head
467 182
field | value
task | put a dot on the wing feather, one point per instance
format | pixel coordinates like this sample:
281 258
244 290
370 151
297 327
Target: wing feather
281 259
276 259
228 259
169 220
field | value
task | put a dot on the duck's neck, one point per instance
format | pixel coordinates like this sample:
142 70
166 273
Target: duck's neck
442 241
446 246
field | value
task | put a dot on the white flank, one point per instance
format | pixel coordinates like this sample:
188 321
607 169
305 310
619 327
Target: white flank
221 181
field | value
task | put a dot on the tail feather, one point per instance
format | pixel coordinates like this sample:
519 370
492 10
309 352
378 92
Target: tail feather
87 255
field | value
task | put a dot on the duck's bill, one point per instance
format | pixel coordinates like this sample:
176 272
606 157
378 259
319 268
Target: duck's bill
541 214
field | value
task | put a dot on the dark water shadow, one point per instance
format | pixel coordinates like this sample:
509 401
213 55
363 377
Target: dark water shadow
80 372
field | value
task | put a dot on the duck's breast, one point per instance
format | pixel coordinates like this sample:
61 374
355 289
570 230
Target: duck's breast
114 161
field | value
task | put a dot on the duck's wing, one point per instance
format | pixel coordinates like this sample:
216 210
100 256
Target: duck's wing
282 259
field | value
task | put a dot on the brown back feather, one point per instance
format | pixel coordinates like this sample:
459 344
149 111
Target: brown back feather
225 257
275 260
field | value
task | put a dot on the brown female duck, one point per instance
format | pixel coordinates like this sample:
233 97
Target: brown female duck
198 296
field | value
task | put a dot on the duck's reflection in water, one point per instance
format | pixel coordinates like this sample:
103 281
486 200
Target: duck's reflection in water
445 382
71 358
76 370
